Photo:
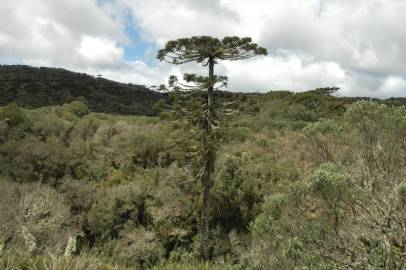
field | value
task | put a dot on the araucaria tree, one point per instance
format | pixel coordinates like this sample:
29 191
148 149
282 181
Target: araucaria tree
207 51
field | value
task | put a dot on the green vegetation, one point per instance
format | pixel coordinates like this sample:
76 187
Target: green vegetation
302 181
32 87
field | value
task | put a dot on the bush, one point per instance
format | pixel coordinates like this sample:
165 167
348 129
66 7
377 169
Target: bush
36 218
34 160
14 123
116 208
48 125
138 248
14 116
324 136
78 108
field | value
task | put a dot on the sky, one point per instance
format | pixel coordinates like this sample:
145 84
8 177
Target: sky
359 46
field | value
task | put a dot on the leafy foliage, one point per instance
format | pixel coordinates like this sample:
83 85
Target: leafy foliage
125 186
351 210
200 48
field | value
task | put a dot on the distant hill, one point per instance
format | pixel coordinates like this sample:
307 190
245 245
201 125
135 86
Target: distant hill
33 87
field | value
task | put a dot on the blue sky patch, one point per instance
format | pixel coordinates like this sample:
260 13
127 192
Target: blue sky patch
138 49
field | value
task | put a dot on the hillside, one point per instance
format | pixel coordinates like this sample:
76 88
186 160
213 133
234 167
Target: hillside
33 87
302 181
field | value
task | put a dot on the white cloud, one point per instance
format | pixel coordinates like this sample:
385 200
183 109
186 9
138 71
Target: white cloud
100 51
357 45
392 86
354 44
50 32
136 72
283 72
160 21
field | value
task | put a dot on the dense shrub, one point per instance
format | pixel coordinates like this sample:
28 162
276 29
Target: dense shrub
349 214
116 208
14 123
330 195
78 108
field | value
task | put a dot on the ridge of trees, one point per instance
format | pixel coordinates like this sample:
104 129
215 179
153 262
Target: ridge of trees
34 87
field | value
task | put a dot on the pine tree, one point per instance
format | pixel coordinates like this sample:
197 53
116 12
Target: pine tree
207 51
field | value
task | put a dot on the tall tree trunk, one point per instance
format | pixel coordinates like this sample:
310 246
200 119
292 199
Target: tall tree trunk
209 158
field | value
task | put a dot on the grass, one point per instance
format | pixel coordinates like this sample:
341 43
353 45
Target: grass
49 261
20 261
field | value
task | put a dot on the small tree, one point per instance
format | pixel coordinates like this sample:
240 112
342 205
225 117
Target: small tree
207 51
